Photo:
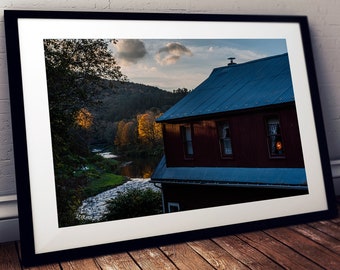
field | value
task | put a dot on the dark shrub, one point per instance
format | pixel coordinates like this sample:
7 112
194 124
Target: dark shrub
134 203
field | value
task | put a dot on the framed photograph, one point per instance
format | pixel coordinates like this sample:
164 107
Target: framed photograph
133 130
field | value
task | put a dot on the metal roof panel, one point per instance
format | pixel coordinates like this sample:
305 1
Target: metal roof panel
253 84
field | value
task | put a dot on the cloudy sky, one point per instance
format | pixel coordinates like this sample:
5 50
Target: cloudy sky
185 63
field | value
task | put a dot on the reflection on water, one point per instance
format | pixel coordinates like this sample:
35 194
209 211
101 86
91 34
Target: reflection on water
130 167
139 168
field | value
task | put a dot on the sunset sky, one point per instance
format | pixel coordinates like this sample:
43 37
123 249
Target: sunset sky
185 63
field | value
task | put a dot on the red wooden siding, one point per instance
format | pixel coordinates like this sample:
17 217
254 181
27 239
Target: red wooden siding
248 137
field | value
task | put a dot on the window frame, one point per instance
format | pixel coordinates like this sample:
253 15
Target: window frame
279 134
173 205
220 139
186 142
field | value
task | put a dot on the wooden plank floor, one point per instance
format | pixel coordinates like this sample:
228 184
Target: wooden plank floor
313 245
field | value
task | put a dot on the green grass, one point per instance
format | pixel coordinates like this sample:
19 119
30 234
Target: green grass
105 182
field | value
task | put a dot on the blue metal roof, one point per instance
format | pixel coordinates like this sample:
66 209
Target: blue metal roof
231 176
257 83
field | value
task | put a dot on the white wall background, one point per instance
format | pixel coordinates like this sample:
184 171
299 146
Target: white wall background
324 22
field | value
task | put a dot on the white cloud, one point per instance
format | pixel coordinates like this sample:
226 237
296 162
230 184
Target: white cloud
171 53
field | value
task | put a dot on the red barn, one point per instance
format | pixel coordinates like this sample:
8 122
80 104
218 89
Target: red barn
234 138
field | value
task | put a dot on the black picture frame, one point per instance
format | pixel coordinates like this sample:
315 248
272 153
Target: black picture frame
23 25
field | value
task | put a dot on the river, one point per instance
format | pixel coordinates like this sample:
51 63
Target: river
134 167
138 167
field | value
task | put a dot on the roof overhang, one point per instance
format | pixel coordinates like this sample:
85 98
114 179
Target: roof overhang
284 178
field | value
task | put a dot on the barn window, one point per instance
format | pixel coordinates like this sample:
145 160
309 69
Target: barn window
225 139
186 134
173 207
275 143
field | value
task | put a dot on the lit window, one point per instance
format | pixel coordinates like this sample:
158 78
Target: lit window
275 143
225 139
187 141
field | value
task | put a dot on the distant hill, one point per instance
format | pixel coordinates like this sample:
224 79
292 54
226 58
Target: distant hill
123 101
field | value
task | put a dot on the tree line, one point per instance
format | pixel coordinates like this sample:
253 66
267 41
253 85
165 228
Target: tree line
128 112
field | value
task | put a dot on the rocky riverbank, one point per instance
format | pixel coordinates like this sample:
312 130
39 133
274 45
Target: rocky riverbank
93 208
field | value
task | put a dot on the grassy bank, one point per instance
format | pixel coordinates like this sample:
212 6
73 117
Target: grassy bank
105 182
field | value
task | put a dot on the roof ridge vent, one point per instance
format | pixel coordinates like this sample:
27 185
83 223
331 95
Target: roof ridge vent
231 61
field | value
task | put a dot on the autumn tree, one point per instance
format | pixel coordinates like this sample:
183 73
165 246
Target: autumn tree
126 133
149 132
119 140
84 118
129 132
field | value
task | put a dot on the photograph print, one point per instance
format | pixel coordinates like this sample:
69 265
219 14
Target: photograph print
153 126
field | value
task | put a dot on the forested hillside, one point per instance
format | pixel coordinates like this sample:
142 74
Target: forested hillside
122 100
125 103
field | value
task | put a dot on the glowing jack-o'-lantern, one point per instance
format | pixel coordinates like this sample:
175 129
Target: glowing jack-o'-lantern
278 145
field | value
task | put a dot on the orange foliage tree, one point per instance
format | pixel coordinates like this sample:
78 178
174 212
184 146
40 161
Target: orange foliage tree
149 132
84 118
126 133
